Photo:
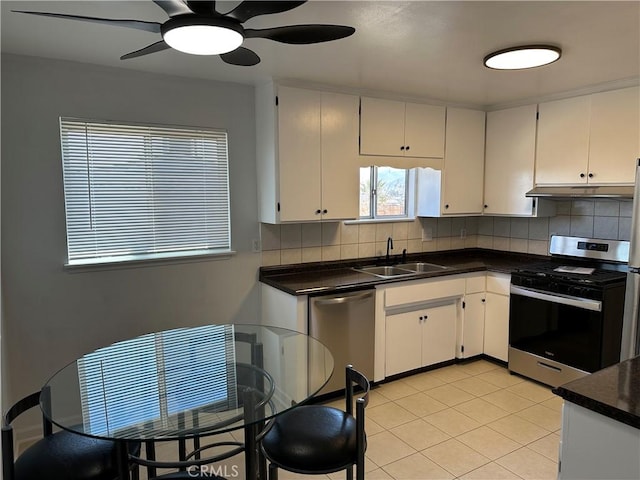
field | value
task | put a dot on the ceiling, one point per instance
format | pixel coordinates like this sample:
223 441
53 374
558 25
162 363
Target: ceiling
420 49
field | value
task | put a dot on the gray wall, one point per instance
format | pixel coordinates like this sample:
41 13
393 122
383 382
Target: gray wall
52 316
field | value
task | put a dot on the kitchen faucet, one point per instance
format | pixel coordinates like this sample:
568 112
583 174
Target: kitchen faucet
389 247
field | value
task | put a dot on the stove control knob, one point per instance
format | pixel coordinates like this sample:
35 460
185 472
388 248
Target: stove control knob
577 291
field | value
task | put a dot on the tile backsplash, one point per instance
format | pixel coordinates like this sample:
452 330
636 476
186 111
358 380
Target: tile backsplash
313 242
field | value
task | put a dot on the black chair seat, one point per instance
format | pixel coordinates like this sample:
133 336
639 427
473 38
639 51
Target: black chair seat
312 439
316 439
69 456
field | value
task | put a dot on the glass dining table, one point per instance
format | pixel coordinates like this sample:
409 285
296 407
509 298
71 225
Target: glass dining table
188 383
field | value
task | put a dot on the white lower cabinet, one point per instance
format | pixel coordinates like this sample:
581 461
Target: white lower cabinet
403 343
439 334
472 338
418 323
421 337
426 323
496 316
593 446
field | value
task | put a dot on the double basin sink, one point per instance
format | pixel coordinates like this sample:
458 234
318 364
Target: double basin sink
401 270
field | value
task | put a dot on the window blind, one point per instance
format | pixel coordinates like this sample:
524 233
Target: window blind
143 191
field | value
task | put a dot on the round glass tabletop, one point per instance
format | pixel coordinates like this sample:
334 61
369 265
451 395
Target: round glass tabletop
187 381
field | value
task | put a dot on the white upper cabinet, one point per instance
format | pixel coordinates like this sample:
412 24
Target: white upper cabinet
424 127
510 161
563 141
456 189
381 127
398 129
590 139
299 154
307 149
614 144
339 145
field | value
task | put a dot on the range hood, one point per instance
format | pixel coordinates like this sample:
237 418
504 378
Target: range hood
582 191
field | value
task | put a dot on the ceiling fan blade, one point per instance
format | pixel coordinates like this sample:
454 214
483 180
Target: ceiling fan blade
202 7
173 7
250 9
153 27
302 34
241 56
153 48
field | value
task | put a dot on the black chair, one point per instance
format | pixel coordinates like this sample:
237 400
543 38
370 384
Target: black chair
316 439
63 454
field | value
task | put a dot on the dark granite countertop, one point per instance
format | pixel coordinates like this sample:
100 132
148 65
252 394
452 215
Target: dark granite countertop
613 392
327 277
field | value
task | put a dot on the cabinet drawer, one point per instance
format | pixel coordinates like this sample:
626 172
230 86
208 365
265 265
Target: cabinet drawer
424 292
475 284
498 283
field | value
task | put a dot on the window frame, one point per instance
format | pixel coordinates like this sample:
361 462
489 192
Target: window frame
409 197
218 157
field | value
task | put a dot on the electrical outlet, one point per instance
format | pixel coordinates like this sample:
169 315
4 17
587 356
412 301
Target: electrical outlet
255 245
427 234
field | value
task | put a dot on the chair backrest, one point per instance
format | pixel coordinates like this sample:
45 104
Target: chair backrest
14 412
354 377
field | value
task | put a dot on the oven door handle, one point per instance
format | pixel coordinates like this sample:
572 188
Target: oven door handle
584 303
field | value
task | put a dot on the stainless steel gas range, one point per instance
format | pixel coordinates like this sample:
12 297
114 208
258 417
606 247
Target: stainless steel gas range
565 315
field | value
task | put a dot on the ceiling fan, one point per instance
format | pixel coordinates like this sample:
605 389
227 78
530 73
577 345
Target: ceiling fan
196 27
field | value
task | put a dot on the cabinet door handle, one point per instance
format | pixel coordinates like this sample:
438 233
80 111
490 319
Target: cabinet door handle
582 175
318 212
402 147
446 206
407 147
486 206
421 318
591 175
324 211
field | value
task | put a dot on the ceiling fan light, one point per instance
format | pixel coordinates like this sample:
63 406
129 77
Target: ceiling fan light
518 58
203 39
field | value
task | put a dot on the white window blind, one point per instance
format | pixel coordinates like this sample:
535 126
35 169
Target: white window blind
142 191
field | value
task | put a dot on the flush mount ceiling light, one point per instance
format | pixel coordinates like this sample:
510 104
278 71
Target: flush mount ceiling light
202 36
525 56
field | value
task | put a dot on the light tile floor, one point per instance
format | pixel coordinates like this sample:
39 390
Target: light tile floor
464 421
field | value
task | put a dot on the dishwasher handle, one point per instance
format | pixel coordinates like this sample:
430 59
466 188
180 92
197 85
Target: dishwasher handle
344 298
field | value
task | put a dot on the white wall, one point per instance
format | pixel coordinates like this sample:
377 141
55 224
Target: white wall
52 316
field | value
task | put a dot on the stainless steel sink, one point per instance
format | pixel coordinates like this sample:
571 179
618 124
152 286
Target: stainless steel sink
421 267
386 272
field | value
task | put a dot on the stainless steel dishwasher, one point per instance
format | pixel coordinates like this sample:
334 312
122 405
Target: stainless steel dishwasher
345 324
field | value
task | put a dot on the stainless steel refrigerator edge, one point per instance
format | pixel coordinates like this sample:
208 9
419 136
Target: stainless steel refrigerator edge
345 324
631 325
